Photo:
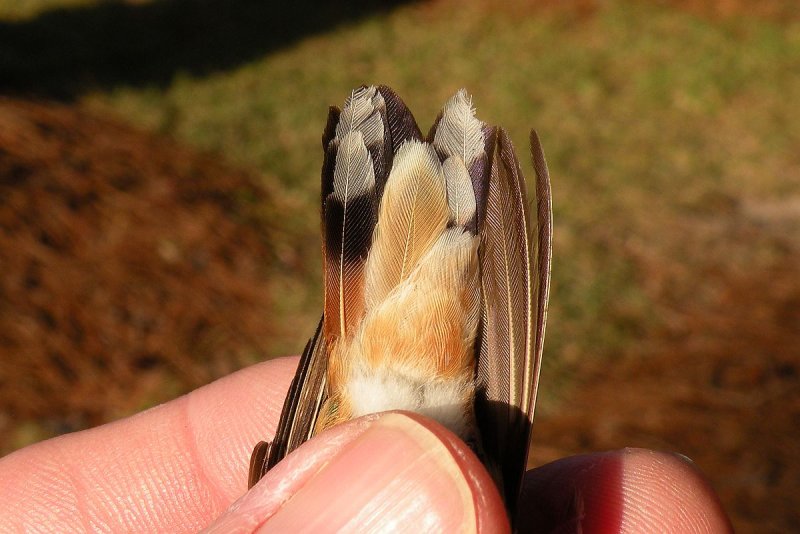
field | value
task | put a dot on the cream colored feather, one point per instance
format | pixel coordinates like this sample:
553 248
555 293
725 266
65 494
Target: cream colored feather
413 214
354 174
459 132
460 196
359 114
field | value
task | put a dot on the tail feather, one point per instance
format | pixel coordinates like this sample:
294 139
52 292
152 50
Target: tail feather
400 122
460 195
355 163
413 214
429 247
458 133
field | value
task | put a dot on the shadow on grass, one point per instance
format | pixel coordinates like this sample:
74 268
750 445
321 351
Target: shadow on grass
65 51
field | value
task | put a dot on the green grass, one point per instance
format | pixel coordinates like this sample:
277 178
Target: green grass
645 113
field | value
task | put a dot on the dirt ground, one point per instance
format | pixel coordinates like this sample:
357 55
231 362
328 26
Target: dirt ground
132 271
719 381
722 389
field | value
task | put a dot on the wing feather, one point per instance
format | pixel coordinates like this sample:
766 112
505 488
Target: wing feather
300 409
507 363
543 254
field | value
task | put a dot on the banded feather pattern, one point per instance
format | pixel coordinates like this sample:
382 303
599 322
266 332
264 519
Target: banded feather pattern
436 282
422 306
350 207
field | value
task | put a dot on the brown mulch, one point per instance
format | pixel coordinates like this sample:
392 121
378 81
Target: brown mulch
132 268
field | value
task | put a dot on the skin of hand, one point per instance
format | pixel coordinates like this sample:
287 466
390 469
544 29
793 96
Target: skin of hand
182 467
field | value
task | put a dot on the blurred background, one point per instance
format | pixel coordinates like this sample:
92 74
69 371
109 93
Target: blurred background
159 187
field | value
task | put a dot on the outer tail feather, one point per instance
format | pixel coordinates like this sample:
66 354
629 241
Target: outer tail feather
399 120
506 368
355 162
542 255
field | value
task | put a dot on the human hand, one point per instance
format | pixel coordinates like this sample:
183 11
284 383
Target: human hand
180 466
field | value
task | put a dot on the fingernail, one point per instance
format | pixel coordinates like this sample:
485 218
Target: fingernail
397 472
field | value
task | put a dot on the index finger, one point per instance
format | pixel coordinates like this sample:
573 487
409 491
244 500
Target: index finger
172 468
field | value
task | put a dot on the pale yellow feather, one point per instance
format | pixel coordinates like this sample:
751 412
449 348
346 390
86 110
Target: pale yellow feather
413 214
460 196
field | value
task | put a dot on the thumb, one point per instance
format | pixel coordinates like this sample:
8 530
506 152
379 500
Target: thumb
374 474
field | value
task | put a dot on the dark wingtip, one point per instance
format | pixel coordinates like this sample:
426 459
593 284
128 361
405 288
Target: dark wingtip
544 214
435 126
402 124
480 179
258 463
539 163
544 202
330 126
